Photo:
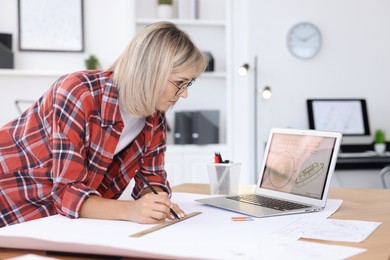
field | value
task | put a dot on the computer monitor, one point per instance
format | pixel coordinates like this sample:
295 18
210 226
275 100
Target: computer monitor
348 116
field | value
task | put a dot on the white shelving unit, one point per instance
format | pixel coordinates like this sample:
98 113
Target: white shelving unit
185 22
22 85
212 90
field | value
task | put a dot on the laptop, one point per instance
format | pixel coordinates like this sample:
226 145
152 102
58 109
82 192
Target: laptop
295 175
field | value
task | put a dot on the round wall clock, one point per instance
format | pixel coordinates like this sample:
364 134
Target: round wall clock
304 40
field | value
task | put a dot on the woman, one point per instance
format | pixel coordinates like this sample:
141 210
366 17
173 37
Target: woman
76 149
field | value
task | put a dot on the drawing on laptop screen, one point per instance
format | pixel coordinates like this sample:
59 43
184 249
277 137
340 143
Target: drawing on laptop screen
298 164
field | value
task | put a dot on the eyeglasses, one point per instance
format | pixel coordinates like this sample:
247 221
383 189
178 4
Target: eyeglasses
182 87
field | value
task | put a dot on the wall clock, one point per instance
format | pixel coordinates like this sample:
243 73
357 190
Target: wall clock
304 40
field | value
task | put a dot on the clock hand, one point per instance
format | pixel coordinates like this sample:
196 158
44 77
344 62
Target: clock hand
308 37
302 38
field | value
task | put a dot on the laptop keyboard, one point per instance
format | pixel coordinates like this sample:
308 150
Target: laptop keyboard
268 202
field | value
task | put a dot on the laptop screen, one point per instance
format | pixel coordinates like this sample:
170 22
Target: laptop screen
298 164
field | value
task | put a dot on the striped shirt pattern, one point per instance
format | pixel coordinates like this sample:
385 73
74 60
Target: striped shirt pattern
61 150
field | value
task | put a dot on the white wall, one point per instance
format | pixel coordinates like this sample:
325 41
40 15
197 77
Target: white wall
354 60
108 27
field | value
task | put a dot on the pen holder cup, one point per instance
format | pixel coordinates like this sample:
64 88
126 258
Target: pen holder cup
224 178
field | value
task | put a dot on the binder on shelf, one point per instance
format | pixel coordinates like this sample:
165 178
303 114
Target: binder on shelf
183 9
205 127
194 9
182 131
6 55
188 9
197 127
210 58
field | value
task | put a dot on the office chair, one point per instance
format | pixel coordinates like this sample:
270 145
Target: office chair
382 174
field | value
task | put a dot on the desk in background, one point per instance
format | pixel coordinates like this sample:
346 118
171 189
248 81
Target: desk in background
361 162
359 157
358 166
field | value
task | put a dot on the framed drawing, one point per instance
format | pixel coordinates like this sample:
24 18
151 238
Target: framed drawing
51 25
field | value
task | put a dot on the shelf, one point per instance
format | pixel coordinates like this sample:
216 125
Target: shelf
31 73
181 22
48 73
194 148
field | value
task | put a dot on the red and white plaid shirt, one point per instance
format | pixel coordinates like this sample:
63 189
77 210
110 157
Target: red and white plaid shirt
61 150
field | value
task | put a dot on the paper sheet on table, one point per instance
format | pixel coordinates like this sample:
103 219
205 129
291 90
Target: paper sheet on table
284 248
31 257
210 235
330 229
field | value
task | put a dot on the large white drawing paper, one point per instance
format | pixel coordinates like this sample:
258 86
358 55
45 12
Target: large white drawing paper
210 235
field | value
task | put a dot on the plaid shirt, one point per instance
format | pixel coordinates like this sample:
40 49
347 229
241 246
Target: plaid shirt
61 150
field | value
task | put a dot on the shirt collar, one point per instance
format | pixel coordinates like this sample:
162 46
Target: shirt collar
110 103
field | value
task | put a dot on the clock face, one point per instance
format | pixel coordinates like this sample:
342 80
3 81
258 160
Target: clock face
304 40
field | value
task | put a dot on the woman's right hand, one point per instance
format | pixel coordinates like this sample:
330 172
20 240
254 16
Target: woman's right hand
150 208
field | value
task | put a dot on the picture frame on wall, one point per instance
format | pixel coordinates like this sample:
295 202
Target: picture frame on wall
51 25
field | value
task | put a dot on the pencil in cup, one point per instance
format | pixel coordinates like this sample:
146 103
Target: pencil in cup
224 178
223 184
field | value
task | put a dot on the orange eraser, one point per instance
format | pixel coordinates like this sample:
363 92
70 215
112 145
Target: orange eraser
242 218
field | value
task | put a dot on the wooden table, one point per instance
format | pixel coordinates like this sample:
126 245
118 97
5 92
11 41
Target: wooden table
358 204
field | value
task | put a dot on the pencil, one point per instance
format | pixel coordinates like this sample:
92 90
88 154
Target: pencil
139 174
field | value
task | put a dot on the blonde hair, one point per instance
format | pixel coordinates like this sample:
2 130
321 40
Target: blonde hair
142 70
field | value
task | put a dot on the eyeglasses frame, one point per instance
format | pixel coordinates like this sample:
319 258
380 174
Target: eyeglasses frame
183 87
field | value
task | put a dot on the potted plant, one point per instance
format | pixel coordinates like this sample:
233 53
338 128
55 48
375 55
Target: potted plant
380 141
165 9
92 63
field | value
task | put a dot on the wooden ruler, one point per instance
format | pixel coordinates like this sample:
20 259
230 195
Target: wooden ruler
163 225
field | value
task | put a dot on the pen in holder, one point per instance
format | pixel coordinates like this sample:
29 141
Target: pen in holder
224 178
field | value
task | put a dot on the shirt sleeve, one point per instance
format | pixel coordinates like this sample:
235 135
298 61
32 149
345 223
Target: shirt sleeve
153 162
69 169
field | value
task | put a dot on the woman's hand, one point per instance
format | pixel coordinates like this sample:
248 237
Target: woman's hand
153 208
149 209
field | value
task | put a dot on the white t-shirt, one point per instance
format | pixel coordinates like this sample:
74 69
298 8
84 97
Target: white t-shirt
133 126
